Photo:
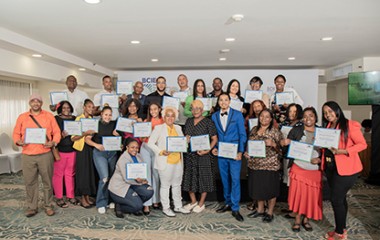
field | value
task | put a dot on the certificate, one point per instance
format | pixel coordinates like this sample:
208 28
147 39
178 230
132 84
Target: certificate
252 95
198 143
327 138
207 103
228 150
125 124
300 151
170 102
57 97
35 135
111 99
142 129
285 131
236 104
73 127
252 122
115 113
111 143
136 170
89 124
214 101
284 97
256 148
181 95
176 144
124 87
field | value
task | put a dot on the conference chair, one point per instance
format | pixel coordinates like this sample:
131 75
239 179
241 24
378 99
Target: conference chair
13 155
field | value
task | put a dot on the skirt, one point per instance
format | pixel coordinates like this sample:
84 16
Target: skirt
85 174
263 184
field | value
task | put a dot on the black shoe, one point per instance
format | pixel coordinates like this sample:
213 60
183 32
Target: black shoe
156 207
256 214
146 213
306 225
138 213
237 216
118 212
288 216
223 209
268 218
296 227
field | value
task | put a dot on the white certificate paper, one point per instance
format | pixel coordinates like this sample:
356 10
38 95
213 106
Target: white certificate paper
125 124
214 101
73 127
207 103
252 122
227 150
136 170
111 99
89 124
176 144
300 151
170 101
284 97
327 138
57 97
252 95
181 95
198 143
35 135
112 143
236 104
142 129
285 131
256 148
124 87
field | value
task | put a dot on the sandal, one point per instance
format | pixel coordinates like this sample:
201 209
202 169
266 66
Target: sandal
73 201
306 225
296 227
61 203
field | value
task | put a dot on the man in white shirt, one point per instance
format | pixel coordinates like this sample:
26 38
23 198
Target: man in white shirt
183 84
107 89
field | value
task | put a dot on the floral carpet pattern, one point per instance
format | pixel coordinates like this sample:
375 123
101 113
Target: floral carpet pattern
76 222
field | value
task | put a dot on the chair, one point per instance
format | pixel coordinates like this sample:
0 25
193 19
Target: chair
4 164
13 155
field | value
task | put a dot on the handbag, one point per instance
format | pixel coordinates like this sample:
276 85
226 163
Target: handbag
54 150
329 159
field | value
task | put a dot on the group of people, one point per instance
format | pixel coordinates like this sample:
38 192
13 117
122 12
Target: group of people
83 160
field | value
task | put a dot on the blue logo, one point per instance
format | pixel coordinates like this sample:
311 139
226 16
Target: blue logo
149 83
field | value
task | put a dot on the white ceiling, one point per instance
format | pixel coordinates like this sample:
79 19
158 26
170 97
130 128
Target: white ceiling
190 34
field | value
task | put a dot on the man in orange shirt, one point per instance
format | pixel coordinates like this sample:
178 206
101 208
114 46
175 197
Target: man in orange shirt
37 158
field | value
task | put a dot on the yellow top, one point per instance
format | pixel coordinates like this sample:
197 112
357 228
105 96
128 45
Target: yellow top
79 144
173 158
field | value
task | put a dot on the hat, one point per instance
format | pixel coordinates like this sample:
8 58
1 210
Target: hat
35 96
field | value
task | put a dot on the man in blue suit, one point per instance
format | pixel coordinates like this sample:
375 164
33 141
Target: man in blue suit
230 126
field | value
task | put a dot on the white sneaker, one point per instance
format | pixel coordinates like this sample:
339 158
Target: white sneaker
190 206
181 210
198 209
102 210
168 212
111 205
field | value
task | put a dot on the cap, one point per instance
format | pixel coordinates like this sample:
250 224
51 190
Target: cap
35 96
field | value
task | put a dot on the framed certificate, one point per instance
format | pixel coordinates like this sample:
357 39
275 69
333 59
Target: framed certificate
198 143
227 150
136 170
236 104
327 137
111 99
89 124
73 127
125 124
252 122
207 103
284 97
285 131
35 135
176 144
256 148
252 95
57 97
124 87
142 129
112 143
300 151
181 95
170 101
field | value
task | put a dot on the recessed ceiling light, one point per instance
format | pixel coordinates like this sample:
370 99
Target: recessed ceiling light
230 39
226 50
82 69
237 17
37 55
291 58
154 60
222 59
327 38
92 1
135 42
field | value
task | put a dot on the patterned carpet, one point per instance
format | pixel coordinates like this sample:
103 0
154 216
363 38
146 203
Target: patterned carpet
76 222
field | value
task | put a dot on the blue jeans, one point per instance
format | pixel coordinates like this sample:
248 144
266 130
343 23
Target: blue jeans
134 199
230 174
148 156
105 162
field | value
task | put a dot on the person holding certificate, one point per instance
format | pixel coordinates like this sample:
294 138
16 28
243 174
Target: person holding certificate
104 160
199 90
233 89
255 108
64 169
129 194
168 164
199 175
263 175
229 124
305 189
342 165
158 95
37 159
132 109
256 84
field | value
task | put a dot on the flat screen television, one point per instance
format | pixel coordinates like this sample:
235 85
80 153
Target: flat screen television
364 88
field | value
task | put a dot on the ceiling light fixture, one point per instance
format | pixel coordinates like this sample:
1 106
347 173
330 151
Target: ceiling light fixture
154 60
135 42
92 1
291 58
230 39
327 38
37 55
237 17
222 59
82 69
226 50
